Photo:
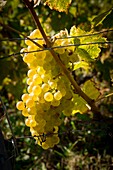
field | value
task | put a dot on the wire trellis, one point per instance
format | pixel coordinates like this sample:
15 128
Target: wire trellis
42 137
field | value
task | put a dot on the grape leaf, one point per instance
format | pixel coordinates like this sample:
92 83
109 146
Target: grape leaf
90 89
59 5
100 18
81 64
80 105
91 50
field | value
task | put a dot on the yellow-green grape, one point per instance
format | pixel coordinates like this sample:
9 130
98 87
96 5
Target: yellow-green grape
30 103
28 42
25 97
33 132
30 87
58 95
20 105
29 81
41 98
55 103
40 55
45 77
48 96
35 34
36 90
45 146
31 73
30 122
52 84
45 87
28 58
23 51
40 70
32 111
37 79
25 112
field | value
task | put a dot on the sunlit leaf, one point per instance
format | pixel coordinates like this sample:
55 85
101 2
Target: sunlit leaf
81 64
80 105
90 89
59 5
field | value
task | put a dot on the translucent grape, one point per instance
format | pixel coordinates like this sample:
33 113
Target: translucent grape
30 103
58 95
48 96
20 105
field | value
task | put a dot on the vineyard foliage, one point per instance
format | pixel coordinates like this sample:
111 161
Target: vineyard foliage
86 56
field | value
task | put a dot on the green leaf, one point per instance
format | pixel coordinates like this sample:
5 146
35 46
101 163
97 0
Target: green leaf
59 5
83 54
90 89
81 64
99 19
91 50
80 105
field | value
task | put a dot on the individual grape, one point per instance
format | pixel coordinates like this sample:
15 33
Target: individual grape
45 78
45 146
30 87
31 73
35 34
32 110
37 79
58 95
52 84
55 103
28 58
25 112
48 96
29 81
41 98
40 70
36 90
30 103
25 97
45 87
20 105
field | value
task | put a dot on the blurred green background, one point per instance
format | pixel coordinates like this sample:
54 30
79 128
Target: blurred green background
85 144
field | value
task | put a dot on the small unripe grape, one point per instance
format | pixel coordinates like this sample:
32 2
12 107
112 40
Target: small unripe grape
48 96
20 105
58 95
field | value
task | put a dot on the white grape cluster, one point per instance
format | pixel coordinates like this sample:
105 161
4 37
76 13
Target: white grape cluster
49 93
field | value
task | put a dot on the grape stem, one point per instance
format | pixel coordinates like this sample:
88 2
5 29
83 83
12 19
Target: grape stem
91 103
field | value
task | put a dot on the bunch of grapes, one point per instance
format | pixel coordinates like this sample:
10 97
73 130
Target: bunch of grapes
49 92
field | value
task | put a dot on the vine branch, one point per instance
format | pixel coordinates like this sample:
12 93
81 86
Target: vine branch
91 103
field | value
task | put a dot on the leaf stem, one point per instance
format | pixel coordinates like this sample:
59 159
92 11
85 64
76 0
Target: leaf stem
59 62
